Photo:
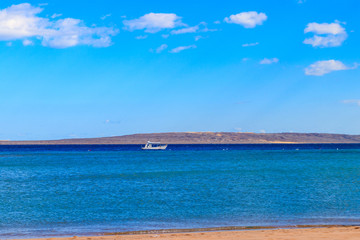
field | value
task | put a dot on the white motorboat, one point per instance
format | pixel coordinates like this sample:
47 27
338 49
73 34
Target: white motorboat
154 146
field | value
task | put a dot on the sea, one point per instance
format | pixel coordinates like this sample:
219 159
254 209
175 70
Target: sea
84 190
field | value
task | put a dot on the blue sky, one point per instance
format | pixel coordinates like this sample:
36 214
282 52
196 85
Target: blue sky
106 68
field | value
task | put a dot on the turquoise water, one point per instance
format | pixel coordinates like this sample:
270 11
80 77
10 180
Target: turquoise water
55 190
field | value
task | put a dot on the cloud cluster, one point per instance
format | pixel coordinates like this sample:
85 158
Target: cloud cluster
320 68
247 19
325 34
21 22
154 22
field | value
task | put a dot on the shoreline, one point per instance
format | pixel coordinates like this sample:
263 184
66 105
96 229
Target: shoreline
294 232
229 228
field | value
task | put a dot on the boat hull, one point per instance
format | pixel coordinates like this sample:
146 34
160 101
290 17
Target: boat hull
155 148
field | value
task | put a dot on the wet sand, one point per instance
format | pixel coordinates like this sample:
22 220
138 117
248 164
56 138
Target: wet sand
329 232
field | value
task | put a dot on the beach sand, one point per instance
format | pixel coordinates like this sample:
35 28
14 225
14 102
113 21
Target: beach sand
331 233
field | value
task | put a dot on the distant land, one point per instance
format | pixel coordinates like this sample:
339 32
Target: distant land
202 138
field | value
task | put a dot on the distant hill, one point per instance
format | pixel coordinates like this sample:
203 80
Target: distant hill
204 138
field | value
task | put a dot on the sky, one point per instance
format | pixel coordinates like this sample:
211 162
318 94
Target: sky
75 69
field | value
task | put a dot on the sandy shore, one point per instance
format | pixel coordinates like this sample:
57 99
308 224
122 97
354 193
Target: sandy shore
333 233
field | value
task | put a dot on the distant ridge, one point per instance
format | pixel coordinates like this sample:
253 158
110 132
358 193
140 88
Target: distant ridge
203 138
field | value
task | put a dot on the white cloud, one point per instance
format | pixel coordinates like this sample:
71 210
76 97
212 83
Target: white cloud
181 48
201 27
325 34
27 42
20 22
56 15
185 30
269 60
71 32
205 29
105 16
112 122
161 48
154 22
325 28
141 37
326 41
247 19
197 38
320 68
352 101
250 44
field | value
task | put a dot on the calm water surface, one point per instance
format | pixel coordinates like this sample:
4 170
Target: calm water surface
83 190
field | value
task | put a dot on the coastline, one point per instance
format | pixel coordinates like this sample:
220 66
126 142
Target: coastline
202 138
9 144
298 232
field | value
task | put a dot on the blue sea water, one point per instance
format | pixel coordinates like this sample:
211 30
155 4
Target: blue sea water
84 190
